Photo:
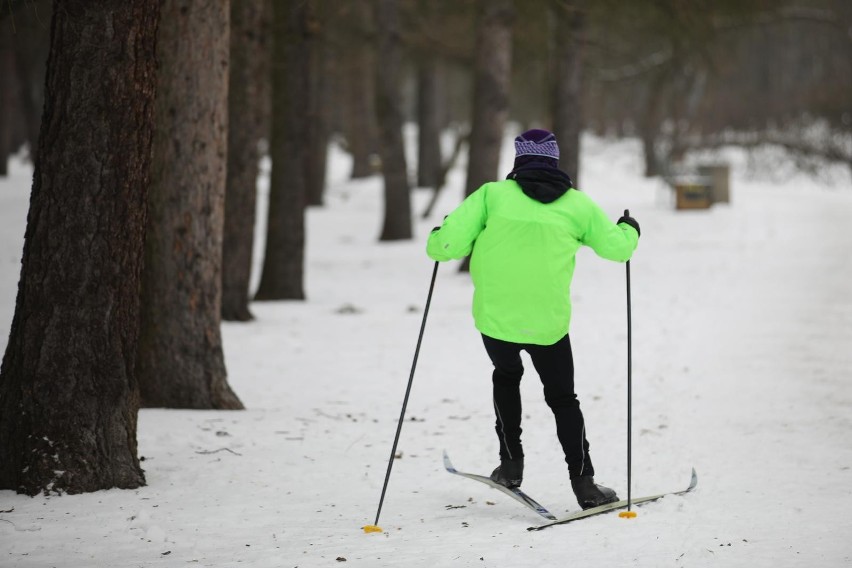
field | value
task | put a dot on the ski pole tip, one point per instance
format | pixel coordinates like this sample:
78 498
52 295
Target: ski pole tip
627 514
372 528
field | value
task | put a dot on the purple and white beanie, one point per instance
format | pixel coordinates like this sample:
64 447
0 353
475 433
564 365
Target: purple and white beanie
537 142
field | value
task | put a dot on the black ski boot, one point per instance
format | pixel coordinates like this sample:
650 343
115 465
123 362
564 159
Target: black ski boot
510 473
589 494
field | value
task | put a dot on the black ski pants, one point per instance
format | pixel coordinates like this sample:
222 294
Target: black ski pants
555 367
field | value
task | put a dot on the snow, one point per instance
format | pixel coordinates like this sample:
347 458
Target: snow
742 323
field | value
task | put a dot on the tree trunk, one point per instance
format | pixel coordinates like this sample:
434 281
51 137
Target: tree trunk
360 112
429 122
569 51
283 265
68 389
31 51
397 215
461 140
649 152
248 116
181 364
493 60
429 91
8 98
650 123
319 103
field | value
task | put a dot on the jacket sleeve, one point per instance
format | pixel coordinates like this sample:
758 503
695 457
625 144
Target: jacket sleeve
608 240
455 237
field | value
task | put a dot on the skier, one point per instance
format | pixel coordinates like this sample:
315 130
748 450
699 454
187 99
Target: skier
522 234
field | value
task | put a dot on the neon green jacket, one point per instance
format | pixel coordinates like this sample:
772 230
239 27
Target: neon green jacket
523 259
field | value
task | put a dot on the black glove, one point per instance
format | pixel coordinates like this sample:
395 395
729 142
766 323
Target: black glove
630 221
439 227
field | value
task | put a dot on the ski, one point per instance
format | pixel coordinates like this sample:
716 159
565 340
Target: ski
514 493
613 506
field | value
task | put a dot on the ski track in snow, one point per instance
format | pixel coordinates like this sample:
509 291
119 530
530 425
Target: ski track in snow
742 322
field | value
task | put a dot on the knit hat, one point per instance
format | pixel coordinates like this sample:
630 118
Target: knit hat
537 142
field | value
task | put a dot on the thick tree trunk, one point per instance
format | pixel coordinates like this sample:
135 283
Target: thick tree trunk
68 388
493 60
181 364
397 215
248 117
569 48
283 265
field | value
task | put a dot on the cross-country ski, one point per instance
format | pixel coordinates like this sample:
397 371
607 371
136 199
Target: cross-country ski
614 506
514 493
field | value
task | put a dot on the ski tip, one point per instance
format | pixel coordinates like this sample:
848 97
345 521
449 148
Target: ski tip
371 528
627 514
448 465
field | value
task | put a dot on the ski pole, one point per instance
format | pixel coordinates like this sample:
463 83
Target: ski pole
374 527
629 514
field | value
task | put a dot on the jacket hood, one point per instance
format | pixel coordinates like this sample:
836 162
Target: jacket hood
542 182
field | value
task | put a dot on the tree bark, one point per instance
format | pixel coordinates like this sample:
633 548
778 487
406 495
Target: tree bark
493 60
317 51
31 53
181 364
429 90
569 48
397 195
360 107
248 117
650 123
8 98
283 265
429 122
68 389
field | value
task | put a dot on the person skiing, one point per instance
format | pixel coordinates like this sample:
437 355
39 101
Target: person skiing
522 234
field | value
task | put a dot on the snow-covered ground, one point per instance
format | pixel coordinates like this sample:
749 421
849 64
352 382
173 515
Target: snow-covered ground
742 328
